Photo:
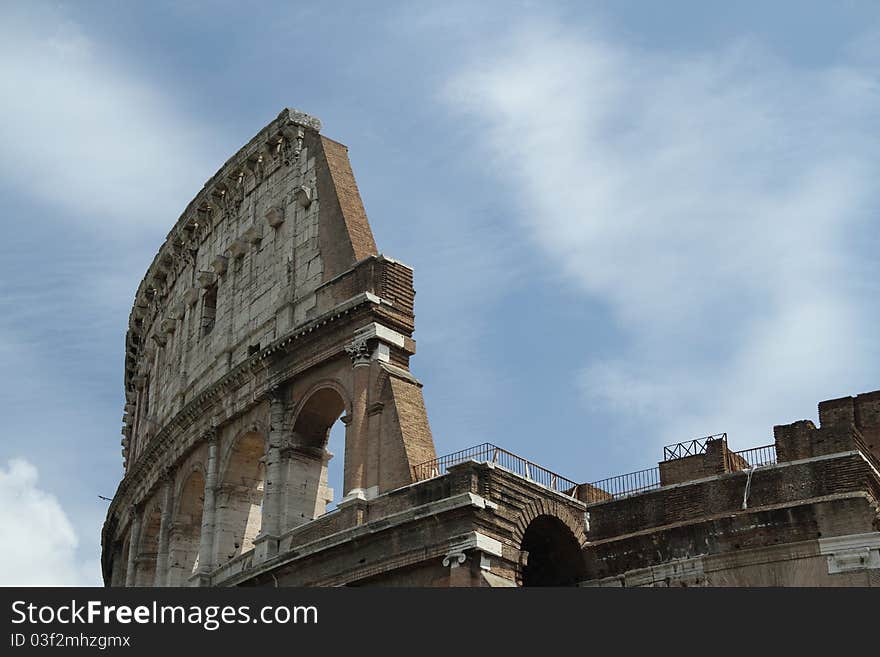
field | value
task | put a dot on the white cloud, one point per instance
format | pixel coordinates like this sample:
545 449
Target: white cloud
98 162
714 203
38 542
85 134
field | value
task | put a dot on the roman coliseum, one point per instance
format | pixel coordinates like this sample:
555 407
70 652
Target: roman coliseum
268 314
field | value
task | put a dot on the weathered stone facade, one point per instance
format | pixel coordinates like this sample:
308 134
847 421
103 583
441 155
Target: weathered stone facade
268 314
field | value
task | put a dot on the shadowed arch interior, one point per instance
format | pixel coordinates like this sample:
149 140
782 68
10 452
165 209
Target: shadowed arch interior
149 548
186 531
307 490
240 498
313 422
553 554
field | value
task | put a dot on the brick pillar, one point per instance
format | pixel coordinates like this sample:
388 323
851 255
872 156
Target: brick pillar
134 537
161 578
354 477
206 540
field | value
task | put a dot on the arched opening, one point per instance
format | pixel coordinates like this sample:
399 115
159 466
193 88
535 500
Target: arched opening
553 555
240 498
308 492
335 446
186 531
146 557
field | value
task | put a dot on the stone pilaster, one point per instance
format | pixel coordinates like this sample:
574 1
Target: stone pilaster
356 430
161 578
134 539
266 545
206 540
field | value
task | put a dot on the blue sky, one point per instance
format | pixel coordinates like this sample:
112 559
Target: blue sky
631 223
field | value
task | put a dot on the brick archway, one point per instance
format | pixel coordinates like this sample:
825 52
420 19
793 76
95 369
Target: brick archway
554 509
550 539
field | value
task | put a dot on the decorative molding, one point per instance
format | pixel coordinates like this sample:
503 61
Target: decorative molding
487 545
382 333
851 552
454 559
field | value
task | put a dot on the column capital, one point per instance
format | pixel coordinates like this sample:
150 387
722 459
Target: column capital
358 351
454 559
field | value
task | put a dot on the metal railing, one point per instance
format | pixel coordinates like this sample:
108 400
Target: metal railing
614 488
642 481
489 453
752 458
691 447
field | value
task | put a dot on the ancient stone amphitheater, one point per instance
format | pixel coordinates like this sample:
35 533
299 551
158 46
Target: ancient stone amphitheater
268 314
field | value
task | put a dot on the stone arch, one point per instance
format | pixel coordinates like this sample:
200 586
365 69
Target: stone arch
551 555
318 409
550 541
239 496
148 545
186 528
550 508
189 468
306 490
256 427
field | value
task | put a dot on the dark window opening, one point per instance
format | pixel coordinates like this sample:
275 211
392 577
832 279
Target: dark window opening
253 349
209 309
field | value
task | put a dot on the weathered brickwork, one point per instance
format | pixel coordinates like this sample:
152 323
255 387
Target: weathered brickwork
268 314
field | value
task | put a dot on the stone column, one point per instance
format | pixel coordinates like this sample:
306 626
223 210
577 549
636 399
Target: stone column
273 497
134 537
354 479
206 540
161 578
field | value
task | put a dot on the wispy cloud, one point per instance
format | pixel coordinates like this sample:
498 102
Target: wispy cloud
39 541
719 204
98 163
88 136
